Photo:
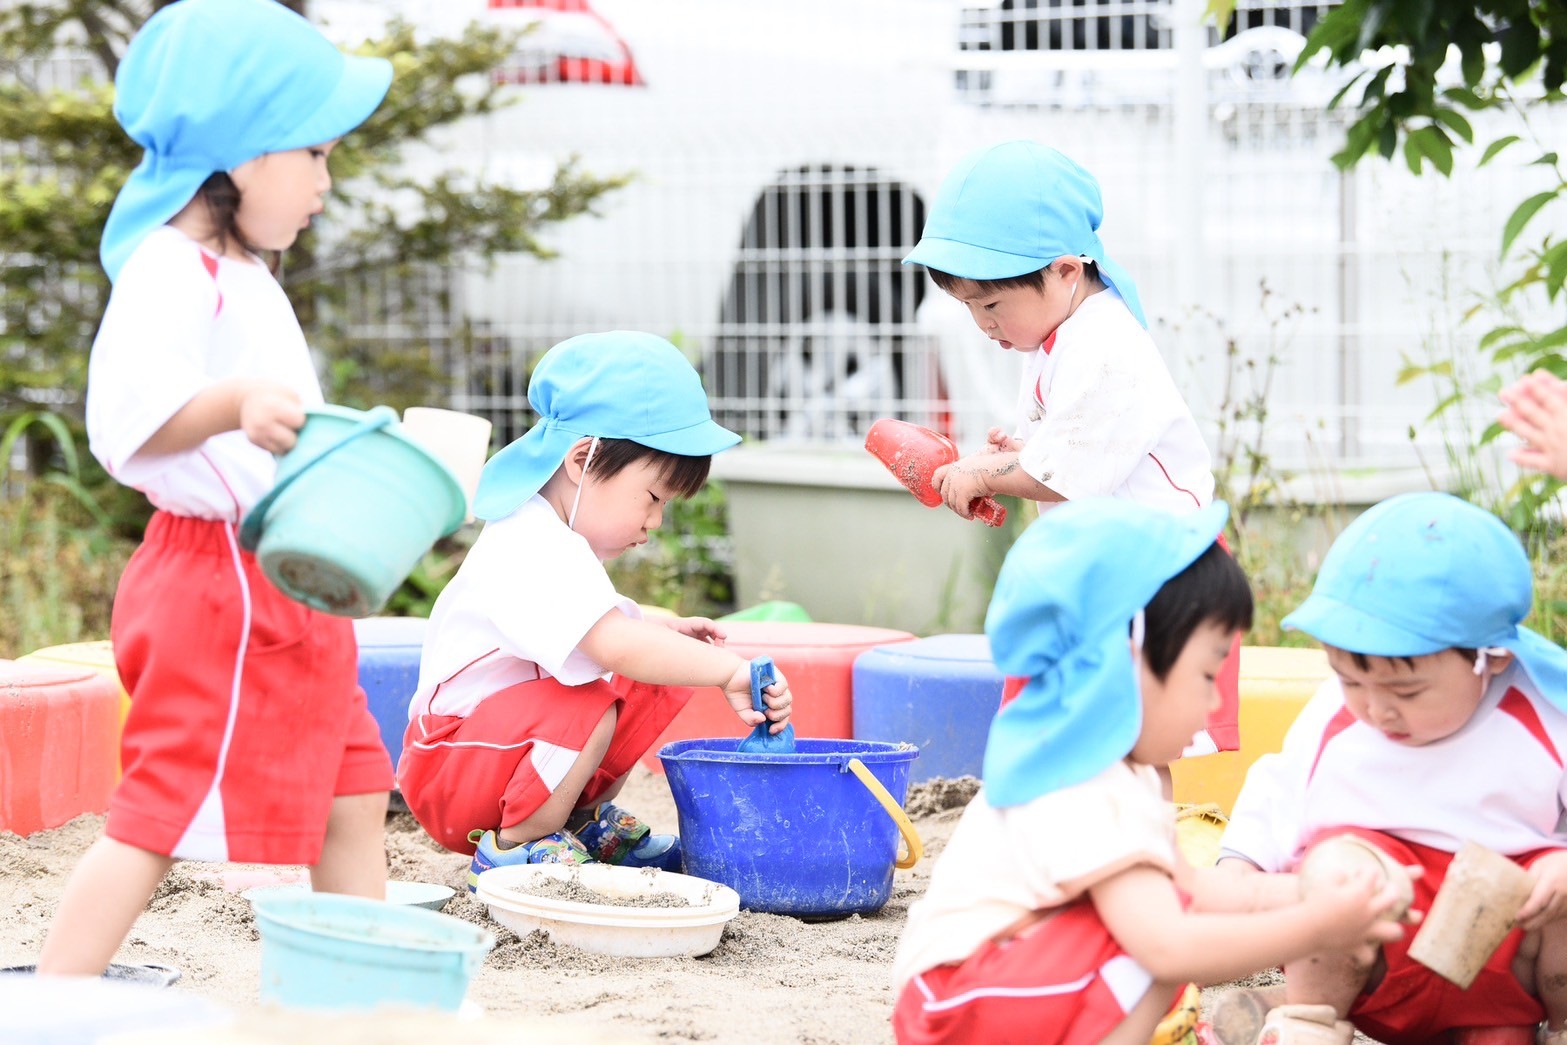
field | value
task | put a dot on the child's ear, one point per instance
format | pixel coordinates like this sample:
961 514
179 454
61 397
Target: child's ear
577 458
1069 268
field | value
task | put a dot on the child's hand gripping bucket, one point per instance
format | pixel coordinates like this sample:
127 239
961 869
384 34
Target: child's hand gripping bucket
355 504
812 834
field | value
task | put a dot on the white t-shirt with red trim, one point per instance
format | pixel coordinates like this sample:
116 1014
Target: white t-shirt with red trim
179 320
526 593
1499 781
1003 864
1100 415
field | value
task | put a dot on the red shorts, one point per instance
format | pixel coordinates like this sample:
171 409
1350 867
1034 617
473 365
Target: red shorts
497 766
246 715
1412 1004
1064 981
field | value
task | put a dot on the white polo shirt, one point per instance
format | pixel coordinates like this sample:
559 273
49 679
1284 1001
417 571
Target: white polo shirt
1100 415
1002 864
1499 781
179 320
526 593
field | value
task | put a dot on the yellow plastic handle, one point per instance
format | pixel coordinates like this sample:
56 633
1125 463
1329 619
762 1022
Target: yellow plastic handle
911 838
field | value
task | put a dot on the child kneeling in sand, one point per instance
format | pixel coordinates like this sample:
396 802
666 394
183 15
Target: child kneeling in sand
1444 722
1061 909
540 685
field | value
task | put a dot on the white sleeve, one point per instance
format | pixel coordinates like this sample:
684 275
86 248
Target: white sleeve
1265 826
150 356
542 610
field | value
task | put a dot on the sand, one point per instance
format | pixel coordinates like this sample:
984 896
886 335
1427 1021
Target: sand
771 979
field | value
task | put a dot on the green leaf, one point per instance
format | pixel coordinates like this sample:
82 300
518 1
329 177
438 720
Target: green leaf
1412 155
1493 336
1218 12
1387 141
1497 146
1432 143
1456 123
1520 217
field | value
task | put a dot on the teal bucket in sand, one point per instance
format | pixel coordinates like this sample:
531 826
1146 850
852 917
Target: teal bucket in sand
354 506
346 953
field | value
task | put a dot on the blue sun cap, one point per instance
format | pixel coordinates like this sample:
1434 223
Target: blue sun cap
1424 572
1014 208
1060 617
619 384
206 85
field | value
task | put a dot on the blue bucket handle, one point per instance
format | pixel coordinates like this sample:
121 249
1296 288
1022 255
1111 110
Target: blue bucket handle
250 530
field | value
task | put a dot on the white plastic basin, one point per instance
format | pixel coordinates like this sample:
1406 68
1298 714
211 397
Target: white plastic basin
628 932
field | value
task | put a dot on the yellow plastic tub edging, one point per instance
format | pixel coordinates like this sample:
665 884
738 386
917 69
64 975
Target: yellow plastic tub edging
1275 684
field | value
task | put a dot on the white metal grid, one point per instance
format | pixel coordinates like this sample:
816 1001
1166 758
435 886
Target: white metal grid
781 171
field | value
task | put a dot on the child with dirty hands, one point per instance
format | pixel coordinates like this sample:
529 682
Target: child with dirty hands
1444 722
539 685
1062 910
1013 235
1535 410
248 737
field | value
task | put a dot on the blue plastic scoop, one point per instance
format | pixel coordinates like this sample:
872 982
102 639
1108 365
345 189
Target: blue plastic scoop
760 740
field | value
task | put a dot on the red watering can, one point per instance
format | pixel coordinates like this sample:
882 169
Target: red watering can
912 453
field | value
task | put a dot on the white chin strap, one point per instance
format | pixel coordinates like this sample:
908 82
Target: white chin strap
1483 657
571 520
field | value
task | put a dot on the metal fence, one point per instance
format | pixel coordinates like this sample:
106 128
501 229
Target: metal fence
785 156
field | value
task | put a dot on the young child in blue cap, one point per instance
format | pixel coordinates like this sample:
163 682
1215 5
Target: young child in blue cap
1061 910
1014 235
540 685
1445 721
248 737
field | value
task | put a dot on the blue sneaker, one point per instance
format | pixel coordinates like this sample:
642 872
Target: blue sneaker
562 847
613 836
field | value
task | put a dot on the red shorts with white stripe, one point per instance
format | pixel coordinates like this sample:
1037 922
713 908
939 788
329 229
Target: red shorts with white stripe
1412 1004
1064 981
497 766
246 715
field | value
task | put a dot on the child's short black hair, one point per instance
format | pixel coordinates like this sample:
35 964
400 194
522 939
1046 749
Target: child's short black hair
685 475
1213 589
1029 280
1363 660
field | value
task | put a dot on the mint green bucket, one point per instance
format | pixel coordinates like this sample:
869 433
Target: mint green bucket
354 506
346 953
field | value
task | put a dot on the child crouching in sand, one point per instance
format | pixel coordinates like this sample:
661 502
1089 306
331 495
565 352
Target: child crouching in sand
539 684
1444 722
1061 909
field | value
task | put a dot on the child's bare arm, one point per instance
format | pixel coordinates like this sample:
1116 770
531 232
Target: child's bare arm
1142 911
653 653
986 473
1235 885
267 412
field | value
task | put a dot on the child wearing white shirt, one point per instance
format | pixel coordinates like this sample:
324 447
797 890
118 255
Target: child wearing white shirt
539 685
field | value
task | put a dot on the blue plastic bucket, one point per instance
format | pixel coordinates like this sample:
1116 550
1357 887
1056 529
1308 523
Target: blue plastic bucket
802 834
325 951
354 506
